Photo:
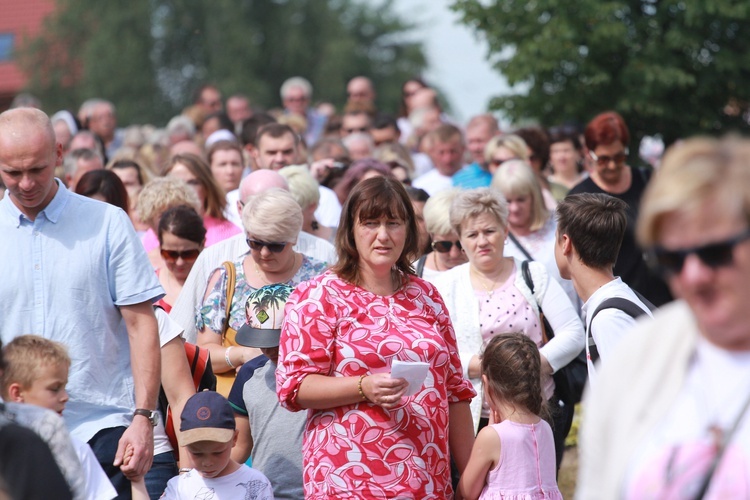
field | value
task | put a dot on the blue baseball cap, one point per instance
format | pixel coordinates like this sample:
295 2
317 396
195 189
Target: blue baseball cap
207 416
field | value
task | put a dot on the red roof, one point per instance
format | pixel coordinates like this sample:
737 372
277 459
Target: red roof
22 18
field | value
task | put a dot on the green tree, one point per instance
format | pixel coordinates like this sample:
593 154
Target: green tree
674 67
147 56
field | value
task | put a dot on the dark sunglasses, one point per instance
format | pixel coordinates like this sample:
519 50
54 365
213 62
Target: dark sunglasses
603 160
497 162
272 247
445 246
173 255
713 255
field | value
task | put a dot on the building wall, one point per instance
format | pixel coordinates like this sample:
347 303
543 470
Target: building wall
19 19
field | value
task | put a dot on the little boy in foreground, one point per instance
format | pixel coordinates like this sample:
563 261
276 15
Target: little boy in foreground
208 433
36 373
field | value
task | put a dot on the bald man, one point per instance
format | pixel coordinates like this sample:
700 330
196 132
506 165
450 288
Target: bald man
81 277
191 296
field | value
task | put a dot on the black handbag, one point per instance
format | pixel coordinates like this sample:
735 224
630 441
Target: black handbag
571 378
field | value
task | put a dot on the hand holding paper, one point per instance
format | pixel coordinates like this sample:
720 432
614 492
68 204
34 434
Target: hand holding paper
414 372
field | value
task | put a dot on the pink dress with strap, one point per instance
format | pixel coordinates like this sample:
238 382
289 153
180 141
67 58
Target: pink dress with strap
526 470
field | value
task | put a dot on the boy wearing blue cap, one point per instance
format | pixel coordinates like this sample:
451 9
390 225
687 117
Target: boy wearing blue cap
208 432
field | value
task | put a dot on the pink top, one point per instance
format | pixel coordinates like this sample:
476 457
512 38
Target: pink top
506 310
216 230
526 469
337 329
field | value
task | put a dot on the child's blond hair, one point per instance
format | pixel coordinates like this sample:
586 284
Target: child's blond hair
24 358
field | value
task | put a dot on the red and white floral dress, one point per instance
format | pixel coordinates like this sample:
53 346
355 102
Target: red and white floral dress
361 450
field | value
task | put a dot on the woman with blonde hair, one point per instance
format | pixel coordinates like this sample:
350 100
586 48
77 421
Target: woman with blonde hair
155 198
502 148
272 221
531 226
446 252
305 190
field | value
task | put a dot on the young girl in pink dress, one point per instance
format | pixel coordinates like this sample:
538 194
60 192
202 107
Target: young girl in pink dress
513 457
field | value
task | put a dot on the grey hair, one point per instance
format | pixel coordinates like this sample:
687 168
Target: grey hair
296 81
437 211
302 185
70 162
471 203
273 216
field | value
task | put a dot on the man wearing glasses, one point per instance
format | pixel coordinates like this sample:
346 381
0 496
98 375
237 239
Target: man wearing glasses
669 416
607 139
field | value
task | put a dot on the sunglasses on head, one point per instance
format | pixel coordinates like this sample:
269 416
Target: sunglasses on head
173 255
713 255
272 247
445 246
604 160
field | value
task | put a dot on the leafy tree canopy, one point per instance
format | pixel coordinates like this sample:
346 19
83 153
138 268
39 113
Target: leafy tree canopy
673 67
148 56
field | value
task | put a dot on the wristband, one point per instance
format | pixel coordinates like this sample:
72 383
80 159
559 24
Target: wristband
226 356
361 392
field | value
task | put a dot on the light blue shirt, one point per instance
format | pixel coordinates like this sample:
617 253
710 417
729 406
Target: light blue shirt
63 277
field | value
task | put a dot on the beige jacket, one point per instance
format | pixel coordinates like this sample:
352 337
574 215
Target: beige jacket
633 392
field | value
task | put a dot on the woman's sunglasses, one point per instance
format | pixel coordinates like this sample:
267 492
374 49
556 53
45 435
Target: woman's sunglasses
173 255
445 246
713 255
272 247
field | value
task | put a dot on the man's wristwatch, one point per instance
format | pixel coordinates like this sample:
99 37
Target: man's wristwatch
149 414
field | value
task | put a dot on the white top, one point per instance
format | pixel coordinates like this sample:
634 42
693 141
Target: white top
191 296
541 245
242 483
98 486
433 182
676 454
610 325
455 287
168 330
230 211
328 212
422 164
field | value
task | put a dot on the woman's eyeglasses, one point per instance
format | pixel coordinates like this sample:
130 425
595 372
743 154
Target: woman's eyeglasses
445 246
713 255
272 247
604 160
173 255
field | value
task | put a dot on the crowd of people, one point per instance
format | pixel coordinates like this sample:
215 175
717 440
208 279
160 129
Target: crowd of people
380 305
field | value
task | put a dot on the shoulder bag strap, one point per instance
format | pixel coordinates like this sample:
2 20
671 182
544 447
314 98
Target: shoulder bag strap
420 265
628 307
547 332
520 247
231 283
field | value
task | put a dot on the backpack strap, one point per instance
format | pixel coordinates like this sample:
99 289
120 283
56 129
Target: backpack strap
231 283
627 306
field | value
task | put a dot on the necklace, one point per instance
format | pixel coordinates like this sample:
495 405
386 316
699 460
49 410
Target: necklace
264 280
489 289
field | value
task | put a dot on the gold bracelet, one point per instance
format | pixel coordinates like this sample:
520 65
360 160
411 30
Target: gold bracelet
361 392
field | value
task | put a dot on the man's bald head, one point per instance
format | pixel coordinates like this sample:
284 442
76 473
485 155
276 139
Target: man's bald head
259 181
16 123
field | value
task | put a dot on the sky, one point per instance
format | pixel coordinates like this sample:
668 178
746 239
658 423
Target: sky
457 58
